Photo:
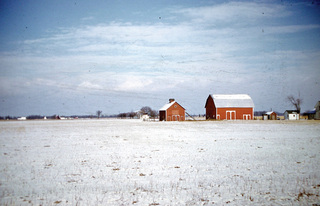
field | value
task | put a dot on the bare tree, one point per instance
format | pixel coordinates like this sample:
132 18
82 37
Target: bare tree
99 112
122 115
296 102
146 110
132 114
153 113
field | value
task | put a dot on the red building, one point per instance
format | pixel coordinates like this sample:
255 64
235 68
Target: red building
172 112
270 116
229 107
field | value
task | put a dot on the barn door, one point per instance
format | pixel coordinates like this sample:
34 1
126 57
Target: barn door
231 115
246 116
162 115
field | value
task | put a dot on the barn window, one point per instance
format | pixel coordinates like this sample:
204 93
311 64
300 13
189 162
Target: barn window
175 106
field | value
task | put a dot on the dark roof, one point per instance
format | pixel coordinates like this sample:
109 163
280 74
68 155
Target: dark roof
292 111
309 112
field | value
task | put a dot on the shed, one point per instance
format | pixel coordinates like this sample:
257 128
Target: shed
310 114
270 116
145 117
291 115
172 111
229 107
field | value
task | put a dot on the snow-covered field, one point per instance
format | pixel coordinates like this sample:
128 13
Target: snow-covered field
129 162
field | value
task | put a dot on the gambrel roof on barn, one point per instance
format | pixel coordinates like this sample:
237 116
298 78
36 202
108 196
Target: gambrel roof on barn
232 100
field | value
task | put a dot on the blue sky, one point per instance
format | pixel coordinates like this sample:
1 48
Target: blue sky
77 57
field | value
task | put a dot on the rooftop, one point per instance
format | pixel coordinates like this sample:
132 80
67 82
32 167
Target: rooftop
166 106
232 100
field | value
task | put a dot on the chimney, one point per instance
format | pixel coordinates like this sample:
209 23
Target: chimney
171 100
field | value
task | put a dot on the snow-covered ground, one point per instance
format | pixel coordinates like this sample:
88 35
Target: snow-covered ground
130 162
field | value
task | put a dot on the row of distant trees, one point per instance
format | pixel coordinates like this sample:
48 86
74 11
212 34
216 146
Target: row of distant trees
34 117
144 110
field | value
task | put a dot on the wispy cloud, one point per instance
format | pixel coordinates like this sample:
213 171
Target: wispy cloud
89 85
134 83
234 12
88 18
289 28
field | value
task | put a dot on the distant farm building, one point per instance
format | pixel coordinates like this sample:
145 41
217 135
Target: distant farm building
310 114
145 117
229 107
317 107
270 116
172 112
291 115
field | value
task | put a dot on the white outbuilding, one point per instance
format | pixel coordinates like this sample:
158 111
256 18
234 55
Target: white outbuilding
291 115
145 117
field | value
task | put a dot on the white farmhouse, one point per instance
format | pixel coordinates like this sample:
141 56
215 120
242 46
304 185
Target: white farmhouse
291 115
145 117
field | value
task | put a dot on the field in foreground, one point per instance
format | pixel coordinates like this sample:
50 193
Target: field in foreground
129 162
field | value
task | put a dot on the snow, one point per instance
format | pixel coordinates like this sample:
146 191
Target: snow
167 106
130 162
232 100
269 113
231 96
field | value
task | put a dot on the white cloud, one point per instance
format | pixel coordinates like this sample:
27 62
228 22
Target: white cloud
234 11
88 18
12 86
89 85
133 83
289 28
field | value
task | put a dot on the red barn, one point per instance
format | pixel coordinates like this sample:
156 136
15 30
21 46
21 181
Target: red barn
172 112
229 107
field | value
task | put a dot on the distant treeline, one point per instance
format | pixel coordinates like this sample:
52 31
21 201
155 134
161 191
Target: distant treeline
260 113
144 110
28 117
57 117
131 115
